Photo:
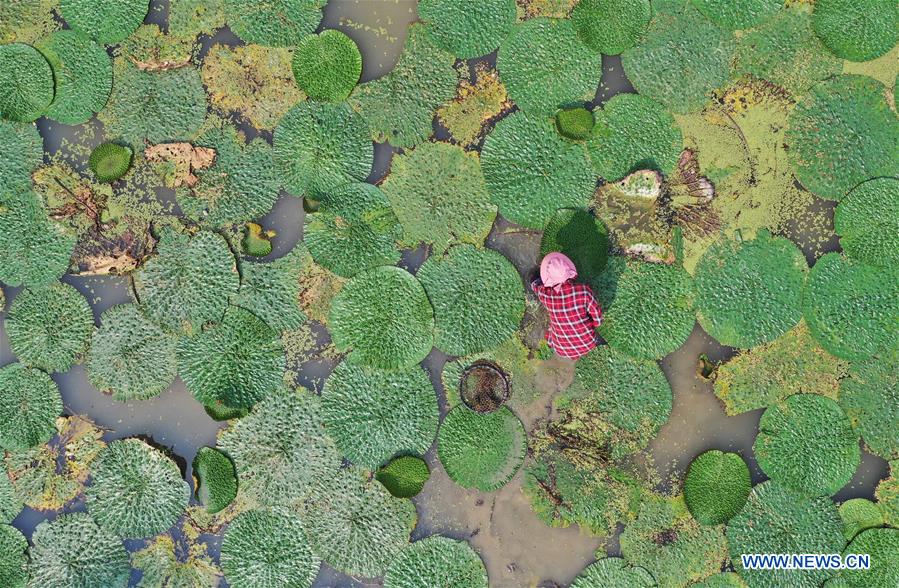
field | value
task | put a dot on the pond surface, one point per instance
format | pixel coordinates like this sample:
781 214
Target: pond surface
518 549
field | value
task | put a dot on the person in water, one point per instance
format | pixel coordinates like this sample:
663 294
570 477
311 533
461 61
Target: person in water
574 313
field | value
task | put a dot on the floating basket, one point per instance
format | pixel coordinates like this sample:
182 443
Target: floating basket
484 387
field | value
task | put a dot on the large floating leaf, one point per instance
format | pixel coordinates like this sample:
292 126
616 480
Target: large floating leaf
613 571
631 396
354 229
355 525
859 514
579 235
26 83
131 357
263 549
611 26
107 21
21 151
857 30
545 65
870 397
842 133
647 307
750 293
882 545
13 560
778 520
278 23
399 108
481 451
405 476
477 297
33 250
671 545
532 171
868 222
83 75
215 479
383 315
327 66
468 28
373 414
632 133
237 362
157 107
10 502
137 491
852 308
49 327
188 282
281 448
271 290
437 561
320 147
716 487
72 551
29 405
439 196
738 14
682 59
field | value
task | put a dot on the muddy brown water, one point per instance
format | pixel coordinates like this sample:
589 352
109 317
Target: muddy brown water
517 548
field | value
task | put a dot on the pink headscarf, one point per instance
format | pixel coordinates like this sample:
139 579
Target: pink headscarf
556 269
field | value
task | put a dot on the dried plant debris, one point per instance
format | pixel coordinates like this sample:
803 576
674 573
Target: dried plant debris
162 564
478 103
26 21
179 162
437 561
49 476
152 50
252 81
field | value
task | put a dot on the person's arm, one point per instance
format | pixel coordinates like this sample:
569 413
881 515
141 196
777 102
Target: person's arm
594 309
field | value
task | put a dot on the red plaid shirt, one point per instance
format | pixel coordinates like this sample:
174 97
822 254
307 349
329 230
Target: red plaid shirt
574 315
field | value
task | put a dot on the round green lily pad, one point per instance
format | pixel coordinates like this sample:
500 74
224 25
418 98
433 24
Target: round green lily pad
322 146
683 59
59 549
852 308
647 307
271 290
264 549
716 487
611 26
545 65
21 151
532 171
33 250
633 132
130 357
842 133
374 414
383 315
477 297
109 162
275 23
11 503
355 525
882 545
613 571
870 397
327 66
281 448
632 396
83 75
107 21
237 362
137 491
188 282
437 561
13 559
575 123
29 406
399 107
738 14
439 195
750 292
215 479
49 327
155 107
482 451
404 476
354 229
807 444
579 235
859 514
26 83
868 222
857 30
778 520
468 28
